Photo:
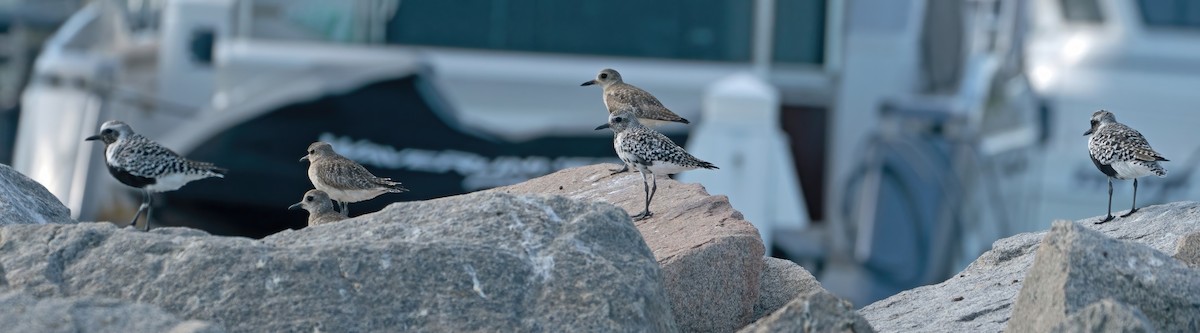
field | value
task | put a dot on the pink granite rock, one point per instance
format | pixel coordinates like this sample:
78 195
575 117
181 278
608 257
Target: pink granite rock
711 257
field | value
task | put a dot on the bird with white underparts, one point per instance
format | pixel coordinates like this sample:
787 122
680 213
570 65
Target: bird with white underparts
139 162
650 152
344 180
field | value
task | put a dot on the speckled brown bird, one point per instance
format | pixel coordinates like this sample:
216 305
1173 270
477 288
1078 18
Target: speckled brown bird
620 96
344 180
319 207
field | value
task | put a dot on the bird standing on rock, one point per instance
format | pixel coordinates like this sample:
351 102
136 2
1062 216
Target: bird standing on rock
621 96
344 180
650 152
139 162
319 207
1121 152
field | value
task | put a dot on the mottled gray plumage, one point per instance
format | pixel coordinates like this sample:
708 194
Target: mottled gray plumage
1121 152
650 153
343 179
139 162
621 96
319 207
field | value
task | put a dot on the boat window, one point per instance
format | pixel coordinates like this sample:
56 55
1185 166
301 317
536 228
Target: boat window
1081 11
715 30
800 31
1171 13
353 22
707 30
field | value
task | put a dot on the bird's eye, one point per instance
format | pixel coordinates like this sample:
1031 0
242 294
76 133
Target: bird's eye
618 119
106 131
312 151
308 198
1094 122
603 75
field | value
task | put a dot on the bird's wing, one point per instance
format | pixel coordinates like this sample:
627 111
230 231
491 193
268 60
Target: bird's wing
344 174
145 158
644 104
652 146
1132 140
632 95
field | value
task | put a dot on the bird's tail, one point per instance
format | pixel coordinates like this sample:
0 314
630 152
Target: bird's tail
392 186
219 171
707 165
215 171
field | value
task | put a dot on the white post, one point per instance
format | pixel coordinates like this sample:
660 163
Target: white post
740 133
181 79
764 36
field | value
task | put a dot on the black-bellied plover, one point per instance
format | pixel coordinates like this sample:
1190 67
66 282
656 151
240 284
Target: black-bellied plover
319 207
139 162
620 96
344 180
1121 152
650 152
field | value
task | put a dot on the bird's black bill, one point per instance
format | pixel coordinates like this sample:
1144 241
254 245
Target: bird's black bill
1089 132
294 206
601 127
92 138
305 158
588 83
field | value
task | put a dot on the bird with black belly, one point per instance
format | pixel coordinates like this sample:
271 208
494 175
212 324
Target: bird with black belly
139 162
1121 152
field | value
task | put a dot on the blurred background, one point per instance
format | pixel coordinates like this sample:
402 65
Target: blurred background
882 144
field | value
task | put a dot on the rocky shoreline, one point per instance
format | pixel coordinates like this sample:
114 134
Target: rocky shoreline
559 253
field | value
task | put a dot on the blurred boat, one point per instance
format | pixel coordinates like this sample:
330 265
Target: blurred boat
24 26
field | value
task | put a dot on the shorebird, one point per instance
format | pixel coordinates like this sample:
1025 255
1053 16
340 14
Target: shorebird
1121 152
650 152
621 96
139 162
344 180
319 207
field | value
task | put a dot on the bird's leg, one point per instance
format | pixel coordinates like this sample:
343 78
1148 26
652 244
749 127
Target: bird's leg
646 186
624 167
149 210
1109 217
653 188
1134 207
345 210
141 208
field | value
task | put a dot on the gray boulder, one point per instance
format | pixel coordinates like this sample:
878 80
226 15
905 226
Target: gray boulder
710 255
25 201
21 312
476 262
781 282
1077 266
1188 250
1106 316
817 311
980 298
